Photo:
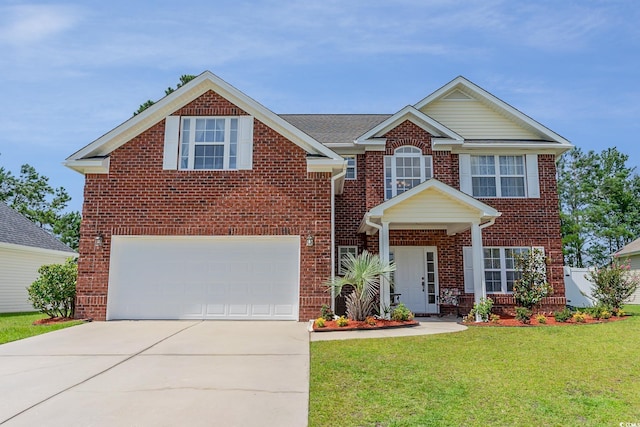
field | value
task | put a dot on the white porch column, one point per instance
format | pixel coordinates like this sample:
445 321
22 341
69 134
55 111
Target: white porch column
385 292
479 285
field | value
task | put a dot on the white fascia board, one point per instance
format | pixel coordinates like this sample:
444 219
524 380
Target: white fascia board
513 147
415 116
85 166
324 164
484 210
187 93
445 144
34 249
484 96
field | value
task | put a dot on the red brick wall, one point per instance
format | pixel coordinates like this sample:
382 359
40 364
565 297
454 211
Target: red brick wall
524 222
277 197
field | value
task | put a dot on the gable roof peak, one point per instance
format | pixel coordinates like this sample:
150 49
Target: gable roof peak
204 82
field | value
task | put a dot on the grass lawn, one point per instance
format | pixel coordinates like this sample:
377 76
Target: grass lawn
587 375
16 326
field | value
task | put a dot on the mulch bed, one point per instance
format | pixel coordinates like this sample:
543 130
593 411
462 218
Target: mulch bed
53 320
511 321
331 325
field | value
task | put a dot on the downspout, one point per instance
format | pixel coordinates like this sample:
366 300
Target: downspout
379 228
333 234
484 285
487 224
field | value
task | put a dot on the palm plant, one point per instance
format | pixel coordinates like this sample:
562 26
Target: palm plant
363 273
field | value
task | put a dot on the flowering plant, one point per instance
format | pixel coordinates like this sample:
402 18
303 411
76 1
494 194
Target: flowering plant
613 284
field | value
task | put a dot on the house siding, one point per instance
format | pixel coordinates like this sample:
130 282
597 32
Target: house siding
277 197
18 270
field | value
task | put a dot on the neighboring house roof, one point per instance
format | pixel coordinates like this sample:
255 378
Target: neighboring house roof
629 249
16 229
335 128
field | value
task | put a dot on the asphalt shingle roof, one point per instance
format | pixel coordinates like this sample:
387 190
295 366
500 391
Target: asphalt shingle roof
335 128
630 248
18 230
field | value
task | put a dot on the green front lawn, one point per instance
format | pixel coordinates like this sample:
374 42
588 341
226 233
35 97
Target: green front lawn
586 375
16 326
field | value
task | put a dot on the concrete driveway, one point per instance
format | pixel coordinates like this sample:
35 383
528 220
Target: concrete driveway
160 373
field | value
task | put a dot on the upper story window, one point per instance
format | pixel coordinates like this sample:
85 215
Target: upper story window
405 169
209 143
351 167
498 176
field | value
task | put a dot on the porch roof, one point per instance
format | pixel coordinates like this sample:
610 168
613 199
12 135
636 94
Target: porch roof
432 205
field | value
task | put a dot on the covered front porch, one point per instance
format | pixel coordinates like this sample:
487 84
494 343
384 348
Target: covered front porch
446 211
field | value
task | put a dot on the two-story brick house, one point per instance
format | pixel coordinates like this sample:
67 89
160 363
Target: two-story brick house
209 205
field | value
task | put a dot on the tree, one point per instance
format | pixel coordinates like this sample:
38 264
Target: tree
363 272
532 285
600 205
184 79
31 194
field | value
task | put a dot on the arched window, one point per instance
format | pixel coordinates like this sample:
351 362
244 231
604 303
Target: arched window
405 169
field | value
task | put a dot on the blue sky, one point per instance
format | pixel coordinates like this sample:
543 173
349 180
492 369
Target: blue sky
71 71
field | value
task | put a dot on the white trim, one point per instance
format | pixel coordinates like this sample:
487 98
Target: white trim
84 166
467 87
35 249
413 115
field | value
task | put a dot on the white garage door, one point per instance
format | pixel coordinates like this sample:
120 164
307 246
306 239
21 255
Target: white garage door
204 277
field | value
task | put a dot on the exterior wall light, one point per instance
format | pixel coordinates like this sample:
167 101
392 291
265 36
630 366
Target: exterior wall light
310 240
99 240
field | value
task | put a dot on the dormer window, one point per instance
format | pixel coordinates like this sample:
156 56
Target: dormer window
405 169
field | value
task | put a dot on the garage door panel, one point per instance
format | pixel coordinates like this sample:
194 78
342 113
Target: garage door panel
204 277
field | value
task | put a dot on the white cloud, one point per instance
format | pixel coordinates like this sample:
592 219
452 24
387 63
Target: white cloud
28 24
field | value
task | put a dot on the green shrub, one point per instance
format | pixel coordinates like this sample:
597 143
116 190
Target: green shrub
523 315
54 292
562 315
613 284
541 319
494 318
401 313
579 317
606 314
483 308
620 312
342 321
326 313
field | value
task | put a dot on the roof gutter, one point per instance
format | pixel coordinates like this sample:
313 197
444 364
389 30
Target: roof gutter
334 178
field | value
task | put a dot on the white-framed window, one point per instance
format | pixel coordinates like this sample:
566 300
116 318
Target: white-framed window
209 143
500 268
405 169
342 255
498 176
351 167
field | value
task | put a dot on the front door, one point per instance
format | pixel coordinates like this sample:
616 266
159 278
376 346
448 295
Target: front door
416 277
